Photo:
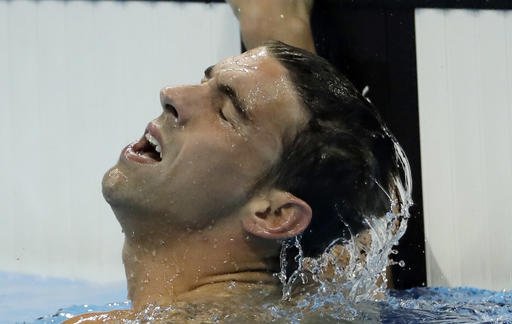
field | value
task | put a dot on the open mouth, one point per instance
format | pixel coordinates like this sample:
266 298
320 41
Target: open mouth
147 150
149 147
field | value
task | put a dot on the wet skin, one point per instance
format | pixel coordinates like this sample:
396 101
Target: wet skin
184 217
193 219
213 152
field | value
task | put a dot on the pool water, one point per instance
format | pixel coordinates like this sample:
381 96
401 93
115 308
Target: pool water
427 305
25 297
445 305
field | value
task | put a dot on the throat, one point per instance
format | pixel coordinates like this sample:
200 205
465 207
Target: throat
186 271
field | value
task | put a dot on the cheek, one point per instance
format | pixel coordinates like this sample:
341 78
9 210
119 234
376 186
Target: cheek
222 164
209 180
224 167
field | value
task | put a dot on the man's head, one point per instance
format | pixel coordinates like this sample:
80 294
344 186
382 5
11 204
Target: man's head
273 139
217 140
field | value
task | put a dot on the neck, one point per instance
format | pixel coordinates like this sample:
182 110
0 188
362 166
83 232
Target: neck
165 266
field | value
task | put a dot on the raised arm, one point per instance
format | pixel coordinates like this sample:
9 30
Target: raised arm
283 20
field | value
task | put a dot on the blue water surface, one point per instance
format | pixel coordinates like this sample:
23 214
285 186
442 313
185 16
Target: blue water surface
447 305
33 299
24 298
417 305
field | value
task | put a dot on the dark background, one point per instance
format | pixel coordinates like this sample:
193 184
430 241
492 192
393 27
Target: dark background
375 46
446 4
373 43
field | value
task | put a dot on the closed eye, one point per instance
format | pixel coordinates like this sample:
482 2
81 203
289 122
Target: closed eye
235 100
221 114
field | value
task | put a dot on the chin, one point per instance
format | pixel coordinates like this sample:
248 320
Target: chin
114 185
121 194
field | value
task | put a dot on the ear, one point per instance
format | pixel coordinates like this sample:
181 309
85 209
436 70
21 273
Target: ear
276 214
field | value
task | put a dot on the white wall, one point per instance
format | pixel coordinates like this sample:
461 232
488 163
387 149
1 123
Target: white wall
78 81
465 99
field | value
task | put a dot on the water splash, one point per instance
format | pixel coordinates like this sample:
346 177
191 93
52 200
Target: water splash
351 270
439 305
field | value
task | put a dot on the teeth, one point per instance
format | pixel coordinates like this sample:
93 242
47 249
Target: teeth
155 143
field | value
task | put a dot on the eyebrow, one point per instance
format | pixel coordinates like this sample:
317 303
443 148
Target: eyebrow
230 93
235 99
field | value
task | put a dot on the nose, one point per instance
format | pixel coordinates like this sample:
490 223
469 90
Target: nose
167 100
182 102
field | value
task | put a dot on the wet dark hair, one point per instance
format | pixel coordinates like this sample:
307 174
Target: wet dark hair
338 162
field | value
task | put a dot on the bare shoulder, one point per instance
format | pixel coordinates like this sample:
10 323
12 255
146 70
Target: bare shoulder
116 316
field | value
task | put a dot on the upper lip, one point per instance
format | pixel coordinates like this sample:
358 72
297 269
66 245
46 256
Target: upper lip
153 130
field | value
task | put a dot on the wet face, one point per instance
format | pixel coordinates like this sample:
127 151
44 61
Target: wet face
202 156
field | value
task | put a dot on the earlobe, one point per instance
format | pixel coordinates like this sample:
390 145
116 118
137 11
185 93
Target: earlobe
277 215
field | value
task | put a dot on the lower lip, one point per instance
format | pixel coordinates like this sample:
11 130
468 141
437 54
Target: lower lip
131 155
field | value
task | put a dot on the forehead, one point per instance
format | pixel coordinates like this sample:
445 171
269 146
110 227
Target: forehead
262 83
250 62
257 75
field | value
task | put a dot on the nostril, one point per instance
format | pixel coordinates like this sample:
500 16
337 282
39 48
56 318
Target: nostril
172 110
